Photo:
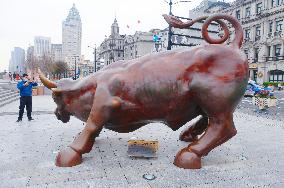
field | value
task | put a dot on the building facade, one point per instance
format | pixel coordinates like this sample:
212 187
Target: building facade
111 49
56 52
262 21
17 61
42 46
138 45
192 36
86 68
71 38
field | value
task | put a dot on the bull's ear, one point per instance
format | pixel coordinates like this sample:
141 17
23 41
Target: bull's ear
56 91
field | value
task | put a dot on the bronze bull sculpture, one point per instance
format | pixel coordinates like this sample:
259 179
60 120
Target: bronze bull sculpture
172 87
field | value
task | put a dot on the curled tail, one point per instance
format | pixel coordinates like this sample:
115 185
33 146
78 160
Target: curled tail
237 42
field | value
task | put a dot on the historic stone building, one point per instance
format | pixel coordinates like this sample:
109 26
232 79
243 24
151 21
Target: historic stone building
111 49
262 21
192 36
138 45
86 68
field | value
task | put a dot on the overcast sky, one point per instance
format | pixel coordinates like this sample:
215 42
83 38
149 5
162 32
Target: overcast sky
21 20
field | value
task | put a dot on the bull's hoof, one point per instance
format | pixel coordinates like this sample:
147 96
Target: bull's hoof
187 159
187 137
68 157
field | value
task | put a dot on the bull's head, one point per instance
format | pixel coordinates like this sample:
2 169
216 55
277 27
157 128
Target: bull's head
61 111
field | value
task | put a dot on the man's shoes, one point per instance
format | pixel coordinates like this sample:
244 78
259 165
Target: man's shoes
19 120
31 119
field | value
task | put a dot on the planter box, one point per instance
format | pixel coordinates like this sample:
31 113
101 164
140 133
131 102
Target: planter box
272 102
264 103
40 90
34 92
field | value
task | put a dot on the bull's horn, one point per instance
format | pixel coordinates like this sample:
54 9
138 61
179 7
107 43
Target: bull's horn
56 91
46 82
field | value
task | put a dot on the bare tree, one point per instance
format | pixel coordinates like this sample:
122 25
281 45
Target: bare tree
59 68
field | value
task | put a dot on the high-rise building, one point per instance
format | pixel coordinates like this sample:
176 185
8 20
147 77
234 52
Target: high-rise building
71 38
56 52
42 46
17 61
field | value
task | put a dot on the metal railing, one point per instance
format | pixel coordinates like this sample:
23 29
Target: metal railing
275 58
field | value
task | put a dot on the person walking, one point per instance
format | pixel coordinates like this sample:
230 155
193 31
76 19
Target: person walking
25 86
14 76
10 76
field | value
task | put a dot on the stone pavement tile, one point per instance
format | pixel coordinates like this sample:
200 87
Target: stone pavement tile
14 182
40 103
253 158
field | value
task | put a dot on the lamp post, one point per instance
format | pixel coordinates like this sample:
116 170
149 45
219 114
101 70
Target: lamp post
95 57
75 76
170 33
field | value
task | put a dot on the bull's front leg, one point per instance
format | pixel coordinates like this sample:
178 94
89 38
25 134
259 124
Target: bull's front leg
220 129
83 143
191 133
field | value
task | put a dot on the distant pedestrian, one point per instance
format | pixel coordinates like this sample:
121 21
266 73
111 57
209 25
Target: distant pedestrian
17 77
10 76
25 86
14 76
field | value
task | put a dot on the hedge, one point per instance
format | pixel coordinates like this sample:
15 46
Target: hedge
272 83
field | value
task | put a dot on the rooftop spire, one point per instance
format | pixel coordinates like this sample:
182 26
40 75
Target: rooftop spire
73 14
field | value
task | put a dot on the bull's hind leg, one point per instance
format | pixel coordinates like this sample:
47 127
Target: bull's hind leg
83 143
191 133
220 129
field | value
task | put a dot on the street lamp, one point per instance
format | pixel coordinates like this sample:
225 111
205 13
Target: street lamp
95 57
170 33
75 76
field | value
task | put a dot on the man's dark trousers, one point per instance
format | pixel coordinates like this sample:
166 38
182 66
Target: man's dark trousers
25 101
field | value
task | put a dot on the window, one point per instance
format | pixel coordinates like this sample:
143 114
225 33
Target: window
258 8
279 25
246 52
238 14
247 12
270 26
257 30
277 50
256 51
268 51
273 3
276 75
280 2
247 34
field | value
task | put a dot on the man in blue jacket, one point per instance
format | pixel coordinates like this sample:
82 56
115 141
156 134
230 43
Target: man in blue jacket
25 86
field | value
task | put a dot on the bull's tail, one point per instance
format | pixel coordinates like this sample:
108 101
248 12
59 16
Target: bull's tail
237 41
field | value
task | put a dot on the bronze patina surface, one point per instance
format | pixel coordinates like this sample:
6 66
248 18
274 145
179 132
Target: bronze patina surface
172 87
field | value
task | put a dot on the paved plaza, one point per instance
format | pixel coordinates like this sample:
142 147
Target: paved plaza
253 158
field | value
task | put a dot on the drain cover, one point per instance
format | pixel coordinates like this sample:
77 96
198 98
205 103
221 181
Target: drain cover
149 177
